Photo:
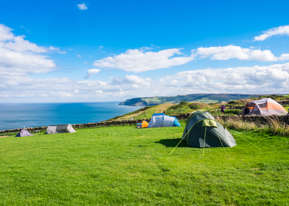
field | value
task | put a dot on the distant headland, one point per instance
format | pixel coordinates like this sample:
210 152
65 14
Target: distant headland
208 98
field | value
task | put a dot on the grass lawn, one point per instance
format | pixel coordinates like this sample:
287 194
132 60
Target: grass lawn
129 166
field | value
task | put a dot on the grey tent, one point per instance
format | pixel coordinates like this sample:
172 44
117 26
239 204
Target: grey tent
203 131
23 133
65 128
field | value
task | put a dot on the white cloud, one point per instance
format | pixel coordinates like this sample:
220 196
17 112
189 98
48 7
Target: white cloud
284 57
255 79
20 55
5 33
133 81
138 80
55 49
82 6
235 52
281 30
20 45
91 72
139 60
22 87
24 62
17 43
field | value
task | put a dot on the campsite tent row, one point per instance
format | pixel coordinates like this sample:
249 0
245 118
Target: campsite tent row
201 129
157 120
65 128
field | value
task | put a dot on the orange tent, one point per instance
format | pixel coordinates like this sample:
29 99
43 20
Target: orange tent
144 124
265 107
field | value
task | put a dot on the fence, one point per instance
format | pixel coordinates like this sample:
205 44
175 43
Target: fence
259 119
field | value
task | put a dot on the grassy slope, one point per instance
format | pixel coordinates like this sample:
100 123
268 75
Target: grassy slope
167 108
129 166
145 113
187 107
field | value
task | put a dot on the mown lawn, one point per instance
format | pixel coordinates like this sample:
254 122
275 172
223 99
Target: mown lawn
129 166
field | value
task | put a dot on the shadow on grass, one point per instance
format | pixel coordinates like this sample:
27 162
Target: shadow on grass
172 142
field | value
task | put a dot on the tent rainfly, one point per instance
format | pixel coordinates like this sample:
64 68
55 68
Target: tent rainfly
23 133
264 107
65 128
202 130
162 120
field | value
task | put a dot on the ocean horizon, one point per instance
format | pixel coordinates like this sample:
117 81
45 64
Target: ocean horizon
21 115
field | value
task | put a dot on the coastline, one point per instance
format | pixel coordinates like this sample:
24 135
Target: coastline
40 115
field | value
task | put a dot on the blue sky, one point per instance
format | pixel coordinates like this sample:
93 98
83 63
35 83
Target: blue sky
113 50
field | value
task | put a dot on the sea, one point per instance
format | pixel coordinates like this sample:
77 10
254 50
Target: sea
18 115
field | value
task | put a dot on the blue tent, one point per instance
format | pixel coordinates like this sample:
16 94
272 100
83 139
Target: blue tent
162 120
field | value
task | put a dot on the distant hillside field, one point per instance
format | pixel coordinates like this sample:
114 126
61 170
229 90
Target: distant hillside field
207 98
233 107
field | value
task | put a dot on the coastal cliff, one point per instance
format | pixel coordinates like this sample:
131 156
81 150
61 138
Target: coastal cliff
207 98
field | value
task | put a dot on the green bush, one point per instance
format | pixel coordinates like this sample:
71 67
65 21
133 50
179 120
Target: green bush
233 111
195 106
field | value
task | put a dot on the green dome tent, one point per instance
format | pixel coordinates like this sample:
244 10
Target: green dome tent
203 131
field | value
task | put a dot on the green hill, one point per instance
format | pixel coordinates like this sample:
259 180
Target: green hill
233 107
207 98
169 109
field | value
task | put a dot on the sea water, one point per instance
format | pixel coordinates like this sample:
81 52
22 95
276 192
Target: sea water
43 114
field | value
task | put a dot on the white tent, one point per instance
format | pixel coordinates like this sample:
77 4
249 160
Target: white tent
65 128
23 133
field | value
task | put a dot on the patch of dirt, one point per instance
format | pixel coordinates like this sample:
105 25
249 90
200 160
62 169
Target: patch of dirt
3 136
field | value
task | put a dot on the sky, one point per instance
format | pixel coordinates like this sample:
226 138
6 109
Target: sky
111 50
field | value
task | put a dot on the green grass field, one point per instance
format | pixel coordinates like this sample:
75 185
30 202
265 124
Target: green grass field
129 166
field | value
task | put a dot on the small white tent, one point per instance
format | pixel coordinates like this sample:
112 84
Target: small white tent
65 128
23 133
